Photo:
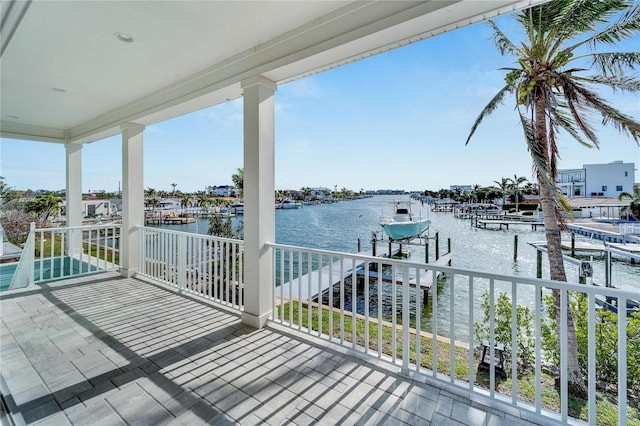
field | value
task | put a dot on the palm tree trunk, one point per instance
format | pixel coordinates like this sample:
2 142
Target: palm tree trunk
575 377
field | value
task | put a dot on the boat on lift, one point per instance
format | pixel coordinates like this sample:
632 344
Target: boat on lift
404 224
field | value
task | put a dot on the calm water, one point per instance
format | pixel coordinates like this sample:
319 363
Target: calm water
339 226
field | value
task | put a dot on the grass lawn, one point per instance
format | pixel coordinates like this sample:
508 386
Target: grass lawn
53 247
380 337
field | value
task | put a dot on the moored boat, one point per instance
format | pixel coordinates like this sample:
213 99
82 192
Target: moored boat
237 207
289 204
404 224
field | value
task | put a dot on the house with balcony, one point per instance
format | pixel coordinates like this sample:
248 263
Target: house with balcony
222 191
597 180
129 324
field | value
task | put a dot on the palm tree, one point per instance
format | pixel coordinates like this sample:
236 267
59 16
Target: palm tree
173 193
203 199
150 193
45 206
185 201
238 180
504 187
306 193
553 93
634 206
515 186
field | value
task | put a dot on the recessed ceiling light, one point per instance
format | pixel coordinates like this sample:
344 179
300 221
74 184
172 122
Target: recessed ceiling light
57 89
124 37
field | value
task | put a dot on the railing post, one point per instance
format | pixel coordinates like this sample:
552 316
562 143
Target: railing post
406 344
182 262
31 255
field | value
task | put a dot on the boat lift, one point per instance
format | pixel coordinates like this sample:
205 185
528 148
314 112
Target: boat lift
422 240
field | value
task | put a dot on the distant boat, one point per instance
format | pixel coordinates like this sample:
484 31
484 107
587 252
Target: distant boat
237 207
289 204
404 224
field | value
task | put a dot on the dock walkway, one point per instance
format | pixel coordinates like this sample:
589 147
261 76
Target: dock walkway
506 223
309 286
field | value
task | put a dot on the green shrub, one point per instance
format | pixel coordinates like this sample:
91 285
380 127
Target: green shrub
525 322
606 335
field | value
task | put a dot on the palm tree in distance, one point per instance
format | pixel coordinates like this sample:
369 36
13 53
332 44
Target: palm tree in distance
503 184
515 186
173 192
238 180
553 92
150 193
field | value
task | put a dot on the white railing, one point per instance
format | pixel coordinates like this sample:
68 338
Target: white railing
394 322
629 228
205 266
65 252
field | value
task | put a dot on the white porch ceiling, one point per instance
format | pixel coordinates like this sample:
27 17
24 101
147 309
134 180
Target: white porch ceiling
65 77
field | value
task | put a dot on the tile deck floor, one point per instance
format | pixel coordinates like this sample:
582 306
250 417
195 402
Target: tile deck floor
107 350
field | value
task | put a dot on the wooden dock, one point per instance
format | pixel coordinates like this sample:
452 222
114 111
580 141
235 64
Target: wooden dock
309 286
169 220
506 223
423 281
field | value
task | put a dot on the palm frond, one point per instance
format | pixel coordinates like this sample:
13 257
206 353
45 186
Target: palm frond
624 83
615 63
573 104
542 18
625 27
501 40
536 150
494 103
610 115
563 205
583 17
567 123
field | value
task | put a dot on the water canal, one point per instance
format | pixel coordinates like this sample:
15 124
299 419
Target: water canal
338 227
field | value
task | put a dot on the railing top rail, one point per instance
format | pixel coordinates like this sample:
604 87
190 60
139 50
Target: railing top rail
83 227
190 234
583 288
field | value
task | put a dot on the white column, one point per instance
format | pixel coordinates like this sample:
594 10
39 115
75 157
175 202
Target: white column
74 196
259 188
132 196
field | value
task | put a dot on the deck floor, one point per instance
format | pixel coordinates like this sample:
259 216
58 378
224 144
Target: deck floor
106 350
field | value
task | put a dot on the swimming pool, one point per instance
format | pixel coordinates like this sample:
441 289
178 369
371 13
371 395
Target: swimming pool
47 270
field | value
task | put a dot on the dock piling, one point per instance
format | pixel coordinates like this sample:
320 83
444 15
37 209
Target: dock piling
538 264
437 246
515 247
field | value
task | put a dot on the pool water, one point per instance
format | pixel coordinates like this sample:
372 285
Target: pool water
51 269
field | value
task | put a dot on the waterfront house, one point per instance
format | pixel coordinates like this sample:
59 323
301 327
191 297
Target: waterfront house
222 191
597 180
167 335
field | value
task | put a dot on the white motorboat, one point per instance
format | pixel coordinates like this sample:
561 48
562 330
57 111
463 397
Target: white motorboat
289 204
237 207
404 224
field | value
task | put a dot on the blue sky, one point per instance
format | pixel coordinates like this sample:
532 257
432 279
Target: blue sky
396 120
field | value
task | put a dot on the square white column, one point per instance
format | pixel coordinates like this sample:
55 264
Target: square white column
132 196
74 197
259 188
